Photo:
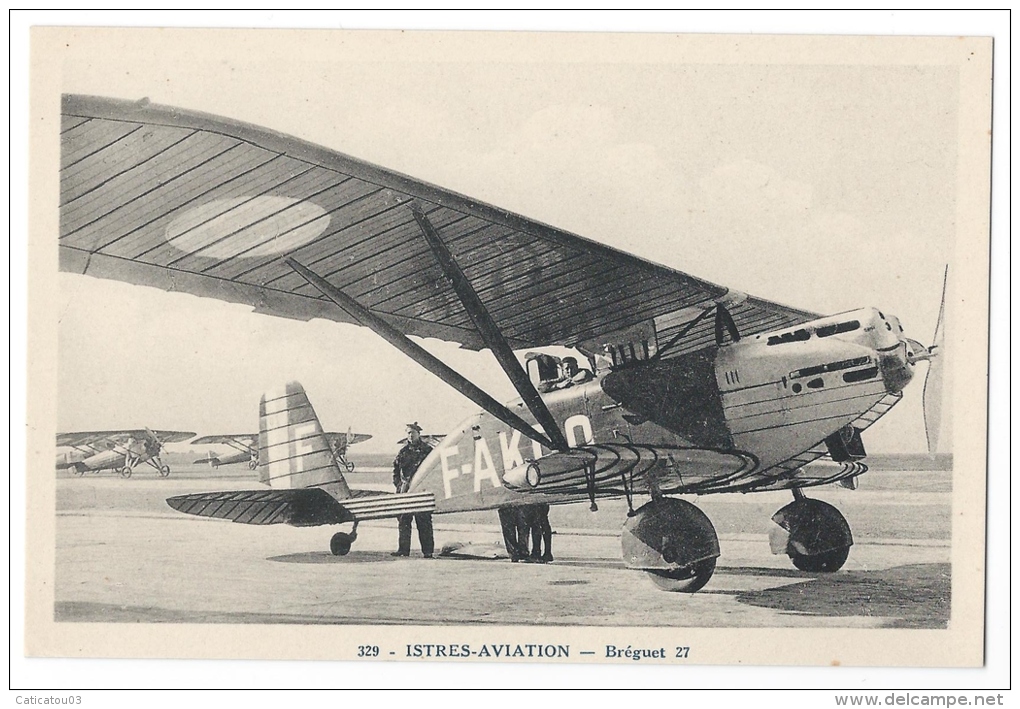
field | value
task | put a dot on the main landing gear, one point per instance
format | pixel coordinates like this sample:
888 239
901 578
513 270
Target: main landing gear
162 470
674 542
812 533
341 542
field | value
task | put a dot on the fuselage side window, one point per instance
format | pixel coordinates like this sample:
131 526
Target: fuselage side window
830 367
800 335
837 328
542 368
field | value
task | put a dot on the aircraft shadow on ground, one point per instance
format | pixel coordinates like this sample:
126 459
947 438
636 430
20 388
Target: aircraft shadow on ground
909 596
912 595
371 557
325 557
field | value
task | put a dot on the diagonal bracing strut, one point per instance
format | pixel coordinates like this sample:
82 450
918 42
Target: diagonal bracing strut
489 330
427 360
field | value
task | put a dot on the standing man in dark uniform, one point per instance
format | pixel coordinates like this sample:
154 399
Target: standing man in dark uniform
541 532
404 467
510 521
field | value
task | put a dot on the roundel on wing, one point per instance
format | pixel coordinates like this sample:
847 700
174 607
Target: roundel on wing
247 227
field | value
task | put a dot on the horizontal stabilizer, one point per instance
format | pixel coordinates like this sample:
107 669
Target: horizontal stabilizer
381 506
307 507
301 508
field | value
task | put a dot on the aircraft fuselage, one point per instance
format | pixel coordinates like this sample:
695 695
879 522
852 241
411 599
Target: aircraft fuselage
715 419
103 460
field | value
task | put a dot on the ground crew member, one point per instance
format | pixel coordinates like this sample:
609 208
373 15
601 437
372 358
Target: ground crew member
541 532
508 521
404 467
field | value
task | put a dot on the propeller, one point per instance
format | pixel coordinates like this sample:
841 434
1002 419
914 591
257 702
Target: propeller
153 443
933 383
932 396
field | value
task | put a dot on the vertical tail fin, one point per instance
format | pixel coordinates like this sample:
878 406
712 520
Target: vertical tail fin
293 451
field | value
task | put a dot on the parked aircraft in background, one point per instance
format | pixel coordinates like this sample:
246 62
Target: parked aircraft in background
123 451
246 447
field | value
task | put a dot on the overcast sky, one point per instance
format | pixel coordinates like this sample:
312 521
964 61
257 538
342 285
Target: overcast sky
820 185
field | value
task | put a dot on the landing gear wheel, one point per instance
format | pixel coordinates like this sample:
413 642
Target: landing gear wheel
164 471
685 580
340 544
674 542
125 472
827 562
79 471
819 538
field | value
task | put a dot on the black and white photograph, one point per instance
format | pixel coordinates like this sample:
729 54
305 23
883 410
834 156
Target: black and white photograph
495 347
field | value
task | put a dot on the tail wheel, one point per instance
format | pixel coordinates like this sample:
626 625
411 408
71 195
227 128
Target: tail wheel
164 471
252 464
125 472
684 580
827 562
349 466
340 544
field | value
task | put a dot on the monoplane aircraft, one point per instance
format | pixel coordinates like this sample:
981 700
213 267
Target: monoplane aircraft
246 448
691 387
123 451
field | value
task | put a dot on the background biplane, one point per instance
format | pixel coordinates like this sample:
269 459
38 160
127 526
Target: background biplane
695 388
246 448
123 451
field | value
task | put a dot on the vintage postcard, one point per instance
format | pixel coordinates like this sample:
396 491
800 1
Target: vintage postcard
508 347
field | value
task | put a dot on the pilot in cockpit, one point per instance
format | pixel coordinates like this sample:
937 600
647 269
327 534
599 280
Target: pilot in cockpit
571 374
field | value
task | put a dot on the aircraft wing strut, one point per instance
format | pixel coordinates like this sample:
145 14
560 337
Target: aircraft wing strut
417 353
489 330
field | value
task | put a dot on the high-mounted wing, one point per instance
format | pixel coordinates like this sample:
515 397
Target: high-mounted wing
205 205
433 439
251 439
174 436
88 438
345 439
244 439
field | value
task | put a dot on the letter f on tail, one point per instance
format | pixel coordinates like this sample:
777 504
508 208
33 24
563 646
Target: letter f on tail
293 452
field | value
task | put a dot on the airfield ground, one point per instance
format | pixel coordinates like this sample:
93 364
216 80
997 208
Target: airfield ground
122 555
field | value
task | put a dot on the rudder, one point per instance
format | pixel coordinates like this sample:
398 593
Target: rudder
293 450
